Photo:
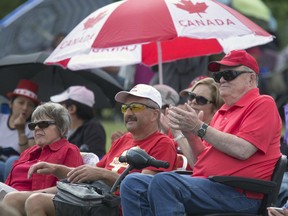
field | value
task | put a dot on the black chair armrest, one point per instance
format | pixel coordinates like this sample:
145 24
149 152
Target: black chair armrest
249 184
184 172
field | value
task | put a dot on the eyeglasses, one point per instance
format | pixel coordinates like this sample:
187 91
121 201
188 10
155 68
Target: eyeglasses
134 107
228 75
200 100
40 124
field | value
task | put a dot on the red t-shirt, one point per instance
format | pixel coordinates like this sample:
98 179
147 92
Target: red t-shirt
60 152
254 118
158 145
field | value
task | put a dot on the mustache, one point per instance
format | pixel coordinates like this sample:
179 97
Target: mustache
130 118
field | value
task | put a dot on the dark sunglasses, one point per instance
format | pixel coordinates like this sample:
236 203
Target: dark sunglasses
134 107
228 75
40 124
200 100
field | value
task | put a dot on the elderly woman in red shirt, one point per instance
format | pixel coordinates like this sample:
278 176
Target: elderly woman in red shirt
50 123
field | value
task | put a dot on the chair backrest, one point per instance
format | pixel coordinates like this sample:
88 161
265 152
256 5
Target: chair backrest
89 158
270 199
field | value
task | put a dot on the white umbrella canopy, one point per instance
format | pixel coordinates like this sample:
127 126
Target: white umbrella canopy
155 31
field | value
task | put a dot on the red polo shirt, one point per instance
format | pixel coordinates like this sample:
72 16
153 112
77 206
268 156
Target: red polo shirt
254 118
60 152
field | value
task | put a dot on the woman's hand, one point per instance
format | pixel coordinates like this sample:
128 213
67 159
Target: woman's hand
58 170
20 122
41 168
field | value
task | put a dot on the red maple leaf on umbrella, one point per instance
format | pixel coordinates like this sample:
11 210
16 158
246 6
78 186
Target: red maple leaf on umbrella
192 8
92 21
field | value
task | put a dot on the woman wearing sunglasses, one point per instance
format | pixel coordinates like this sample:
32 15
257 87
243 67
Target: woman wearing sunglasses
201 96
204 95
50 123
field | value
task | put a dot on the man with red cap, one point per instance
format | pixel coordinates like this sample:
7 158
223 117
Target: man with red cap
15 136
243 139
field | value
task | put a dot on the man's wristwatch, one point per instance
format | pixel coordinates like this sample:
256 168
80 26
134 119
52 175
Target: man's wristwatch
202 131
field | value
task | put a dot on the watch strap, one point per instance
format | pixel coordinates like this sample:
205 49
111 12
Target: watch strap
202 131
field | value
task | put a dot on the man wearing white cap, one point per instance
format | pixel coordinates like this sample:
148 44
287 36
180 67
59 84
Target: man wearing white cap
169 97
141 110
86 131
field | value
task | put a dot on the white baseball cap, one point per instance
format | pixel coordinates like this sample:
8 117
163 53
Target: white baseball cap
77 93
140 90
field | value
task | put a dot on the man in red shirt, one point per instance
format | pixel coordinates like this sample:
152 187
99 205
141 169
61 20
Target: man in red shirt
243 139
141 109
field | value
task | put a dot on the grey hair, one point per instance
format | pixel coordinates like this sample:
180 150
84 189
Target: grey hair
152 103
252 71
55 112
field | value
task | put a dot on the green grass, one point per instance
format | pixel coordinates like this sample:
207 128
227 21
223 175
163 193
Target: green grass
110 127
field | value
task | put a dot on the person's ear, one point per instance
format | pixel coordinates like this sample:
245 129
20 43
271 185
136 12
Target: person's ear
156 114
253 78
72 109
63 133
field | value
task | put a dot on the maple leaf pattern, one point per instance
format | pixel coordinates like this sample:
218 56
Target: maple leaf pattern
92 21
192 8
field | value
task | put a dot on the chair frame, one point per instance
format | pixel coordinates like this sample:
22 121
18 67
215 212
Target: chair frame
270 189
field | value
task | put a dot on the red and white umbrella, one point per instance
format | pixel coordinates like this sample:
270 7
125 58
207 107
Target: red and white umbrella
155 31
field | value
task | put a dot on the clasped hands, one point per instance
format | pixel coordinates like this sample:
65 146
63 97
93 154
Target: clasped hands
185 119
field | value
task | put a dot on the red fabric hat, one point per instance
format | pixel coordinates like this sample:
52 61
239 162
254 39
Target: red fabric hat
235 58
27 89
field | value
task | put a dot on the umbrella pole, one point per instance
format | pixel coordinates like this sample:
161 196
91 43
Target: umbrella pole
159 51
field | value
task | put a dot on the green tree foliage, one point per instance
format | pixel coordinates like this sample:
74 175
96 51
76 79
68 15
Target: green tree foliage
279 10
6 6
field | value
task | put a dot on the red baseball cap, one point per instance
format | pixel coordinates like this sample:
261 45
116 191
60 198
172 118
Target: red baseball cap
235 58
27 89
